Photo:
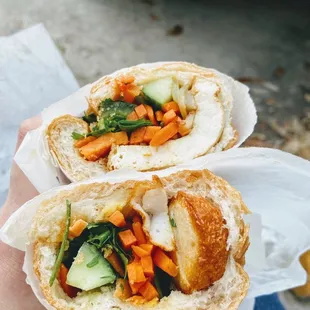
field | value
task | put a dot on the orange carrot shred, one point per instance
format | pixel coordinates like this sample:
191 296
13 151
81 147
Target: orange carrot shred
127 238
147 265
150 114
148 291
150 132
139 251
135 273
141 111
169 117
122 290
84 141
62 277
137 136
147 247
159 115
138 232
165 263
115 262
130 92
164 134
102 145
77 228
117 219
132 116
171 106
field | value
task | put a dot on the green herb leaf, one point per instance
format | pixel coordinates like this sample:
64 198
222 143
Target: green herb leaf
172 222
100 240
76 243
119 250
90 118
157 285
111 113
77 136
63 245
93 262
162 282
115 109
102 236
130 126
113 116
92 225
97 133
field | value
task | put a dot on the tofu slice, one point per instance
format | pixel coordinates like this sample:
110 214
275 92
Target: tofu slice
201 242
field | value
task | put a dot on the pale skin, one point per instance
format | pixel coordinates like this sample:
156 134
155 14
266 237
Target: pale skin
15 294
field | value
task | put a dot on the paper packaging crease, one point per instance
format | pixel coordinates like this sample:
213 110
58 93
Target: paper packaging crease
269 181
34 156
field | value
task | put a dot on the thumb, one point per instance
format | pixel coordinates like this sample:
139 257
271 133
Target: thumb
26 126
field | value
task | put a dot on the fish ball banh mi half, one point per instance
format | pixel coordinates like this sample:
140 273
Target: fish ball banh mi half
176 242
145 118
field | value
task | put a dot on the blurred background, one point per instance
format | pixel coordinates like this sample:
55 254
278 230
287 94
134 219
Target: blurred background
261 43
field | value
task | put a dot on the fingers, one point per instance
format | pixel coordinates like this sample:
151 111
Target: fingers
26 126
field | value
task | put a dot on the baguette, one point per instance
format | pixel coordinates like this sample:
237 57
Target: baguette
210 239
211 119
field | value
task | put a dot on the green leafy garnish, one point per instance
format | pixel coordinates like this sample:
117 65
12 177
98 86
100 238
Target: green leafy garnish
92 225
162 282
157 285
100 240
63 245
90 118
172 222
102 236
94 261
77 136
115 109
130 126
113 118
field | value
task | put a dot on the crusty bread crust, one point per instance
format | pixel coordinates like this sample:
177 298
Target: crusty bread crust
210 248
91 202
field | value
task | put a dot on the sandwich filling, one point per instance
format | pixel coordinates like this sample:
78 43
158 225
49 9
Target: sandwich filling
146 119
149 114
146 250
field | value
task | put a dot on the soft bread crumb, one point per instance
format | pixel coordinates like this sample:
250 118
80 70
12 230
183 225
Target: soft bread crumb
61 145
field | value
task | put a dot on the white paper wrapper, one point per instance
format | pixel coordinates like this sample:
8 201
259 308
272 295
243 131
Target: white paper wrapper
33 155
274 185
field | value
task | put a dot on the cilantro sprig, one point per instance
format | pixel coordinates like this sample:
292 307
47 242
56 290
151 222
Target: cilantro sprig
63 245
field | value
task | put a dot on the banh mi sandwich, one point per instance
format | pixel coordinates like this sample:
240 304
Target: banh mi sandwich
145 118
176 242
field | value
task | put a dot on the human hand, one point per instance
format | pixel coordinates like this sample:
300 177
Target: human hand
15 294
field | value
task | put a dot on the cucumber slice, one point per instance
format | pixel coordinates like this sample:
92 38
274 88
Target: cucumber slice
90 269
158 92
